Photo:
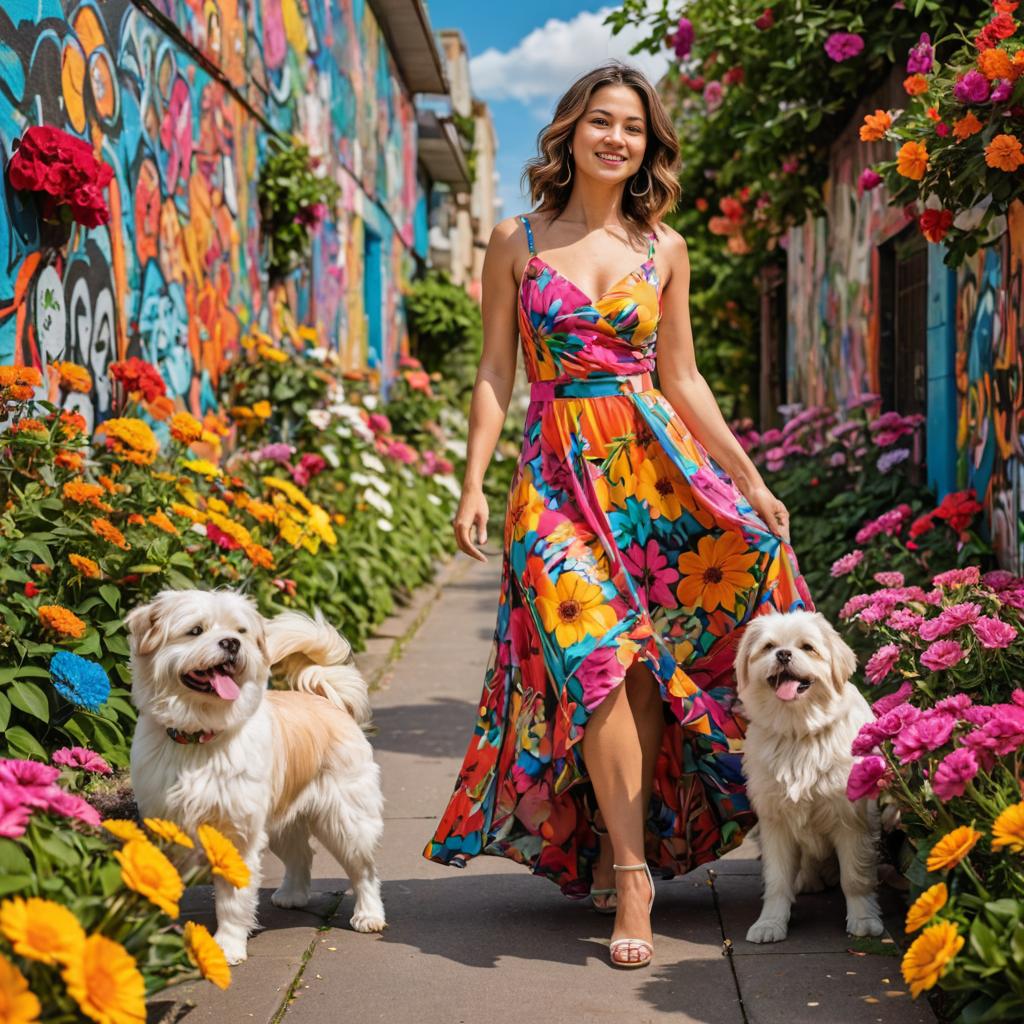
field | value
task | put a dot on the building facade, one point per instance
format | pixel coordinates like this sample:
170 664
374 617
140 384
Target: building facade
182 98
871 306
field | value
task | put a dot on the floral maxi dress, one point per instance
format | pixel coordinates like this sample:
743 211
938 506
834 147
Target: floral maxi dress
623 541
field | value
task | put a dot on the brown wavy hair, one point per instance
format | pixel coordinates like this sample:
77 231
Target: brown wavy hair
550 173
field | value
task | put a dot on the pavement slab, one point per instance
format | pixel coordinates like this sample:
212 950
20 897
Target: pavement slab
466 945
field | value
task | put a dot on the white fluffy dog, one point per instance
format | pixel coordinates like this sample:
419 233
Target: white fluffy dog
792 673
214 746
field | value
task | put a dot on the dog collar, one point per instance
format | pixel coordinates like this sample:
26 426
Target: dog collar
180 736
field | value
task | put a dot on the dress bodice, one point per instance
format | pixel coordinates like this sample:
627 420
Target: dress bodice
566 335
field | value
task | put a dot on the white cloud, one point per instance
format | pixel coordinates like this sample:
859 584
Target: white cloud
544 63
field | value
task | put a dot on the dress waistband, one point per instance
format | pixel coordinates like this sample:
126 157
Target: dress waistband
597 386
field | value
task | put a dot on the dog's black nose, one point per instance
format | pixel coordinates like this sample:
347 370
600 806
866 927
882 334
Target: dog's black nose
782 655
231 645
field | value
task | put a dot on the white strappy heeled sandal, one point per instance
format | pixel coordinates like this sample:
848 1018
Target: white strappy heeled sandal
611 905
643 946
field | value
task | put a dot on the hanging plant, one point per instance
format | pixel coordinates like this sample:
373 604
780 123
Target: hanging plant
294 199
65 178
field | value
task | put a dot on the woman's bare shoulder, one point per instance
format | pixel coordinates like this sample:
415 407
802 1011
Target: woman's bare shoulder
670 241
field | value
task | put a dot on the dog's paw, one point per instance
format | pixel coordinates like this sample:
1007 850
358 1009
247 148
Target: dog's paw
234 948
862 926
368 921
767 931
285 897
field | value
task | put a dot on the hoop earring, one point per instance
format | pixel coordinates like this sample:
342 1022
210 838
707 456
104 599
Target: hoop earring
650 183
562 184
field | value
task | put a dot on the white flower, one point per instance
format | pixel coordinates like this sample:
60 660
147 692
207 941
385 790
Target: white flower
378 501
365 480
319 353
434 500
370 401
383 524
449 484
320 418
330 453
370 461
458 446
199 528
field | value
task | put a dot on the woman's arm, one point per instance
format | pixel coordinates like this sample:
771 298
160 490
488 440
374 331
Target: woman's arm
688 392
495 377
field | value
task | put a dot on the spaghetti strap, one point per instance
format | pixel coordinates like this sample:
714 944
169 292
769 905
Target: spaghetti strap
529 233
650 248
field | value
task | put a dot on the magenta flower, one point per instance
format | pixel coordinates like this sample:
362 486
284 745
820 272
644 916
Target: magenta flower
854 605
868 778
885 704
27 773
1000 579
965 577
863 399
379 423
14 814
1003 733
948 619
953 773
842 46
881 662
925 734
868 180
943 654
790 165
713 96
845 565
993 632
1001 93
921 56
972 88
401 451
278 452
905 621
72 806
957 704
650 568
309 466
890 579
683 41
80 757
837 459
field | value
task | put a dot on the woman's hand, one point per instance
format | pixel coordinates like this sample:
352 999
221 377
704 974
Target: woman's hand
471 522
770 509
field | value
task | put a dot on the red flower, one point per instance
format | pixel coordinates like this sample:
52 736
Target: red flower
137 376
220 538
935 223
921 525
959 509
765 21
31 590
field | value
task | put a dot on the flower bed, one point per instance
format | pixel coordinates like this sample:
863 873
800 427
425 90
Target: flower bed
302 494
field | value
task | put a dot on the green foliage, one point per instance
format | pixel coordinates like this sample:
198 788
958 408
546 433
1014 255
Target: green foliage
293 199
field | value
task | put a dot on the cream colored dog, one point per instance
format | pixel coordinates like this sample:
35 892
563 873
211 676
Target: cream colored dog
792 673
214 746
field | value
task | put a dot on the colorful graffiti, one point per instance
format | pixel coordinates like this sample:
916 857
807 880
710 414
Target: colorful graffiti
181 104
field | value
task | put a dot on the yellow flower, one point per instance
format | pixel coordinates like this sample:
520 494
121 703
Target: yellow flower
273 355
224 859
106 984
131 438
320 524
235 531
952 848
41 929
147 870
86 566
288 488
187 512
17 1004
125 830
185 427
574 609
912 160
204 952
262 410
929 954
201 466
169 831
1008 829
926 906
73 377
714 574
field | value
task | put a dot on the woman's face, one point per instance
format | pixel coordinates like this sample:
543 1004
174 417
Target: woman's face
610 138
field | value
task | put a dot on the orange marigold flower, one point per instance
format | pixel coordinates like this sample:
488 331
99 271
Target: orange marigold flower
61 620
262 410
915 85
69 460
966 126
136 520
185 427
875 126
187 512
1004 153
260 556
21 392
82 493
912 160
72 377
161 522
160 408
109 532
30 426
933 114
995 63
73 423
20 376
86 566
130 438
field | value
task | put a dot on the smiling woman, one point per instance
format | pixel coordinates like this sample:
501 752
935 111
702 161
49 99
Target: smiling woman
606 738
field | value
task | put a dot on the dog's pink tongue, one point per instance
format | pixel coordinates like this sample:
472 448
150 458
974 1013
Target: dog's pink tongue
787 690
223 685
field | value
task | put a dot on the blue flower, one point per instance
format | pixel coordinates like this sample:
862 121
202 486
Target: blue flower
81 681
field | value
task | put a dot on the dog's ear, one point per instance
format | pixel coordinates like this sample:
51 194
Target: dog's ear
843 660
751 632
144 627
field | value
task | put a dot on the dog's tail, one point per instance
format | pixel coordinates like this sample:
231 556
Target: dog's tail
314 657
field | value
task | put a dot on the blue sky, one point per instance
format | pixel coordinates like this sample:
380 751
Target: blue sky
523 55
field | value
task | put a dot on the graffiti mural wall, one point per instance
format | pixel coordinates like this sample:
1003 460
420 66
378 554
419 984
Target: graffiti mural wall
181 101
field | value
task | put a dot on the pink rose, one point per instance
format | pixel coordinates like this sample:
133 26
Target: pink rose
890 579
953 773
80 757
943 654
884 705
842 46
868 778
958 577
845 565
925 734
881 662
993 632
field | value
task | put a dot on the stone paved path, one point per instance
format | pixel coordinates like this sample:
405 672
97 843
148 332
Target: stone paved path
493 943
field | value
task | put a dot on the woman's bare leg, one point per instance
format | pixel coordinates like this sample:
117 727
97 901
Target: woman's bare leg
646 707
615 762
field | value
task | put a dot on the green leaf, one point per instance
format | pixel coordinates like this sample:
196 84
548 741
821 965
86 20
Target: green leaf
21 743
5 712
111 595
29 698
